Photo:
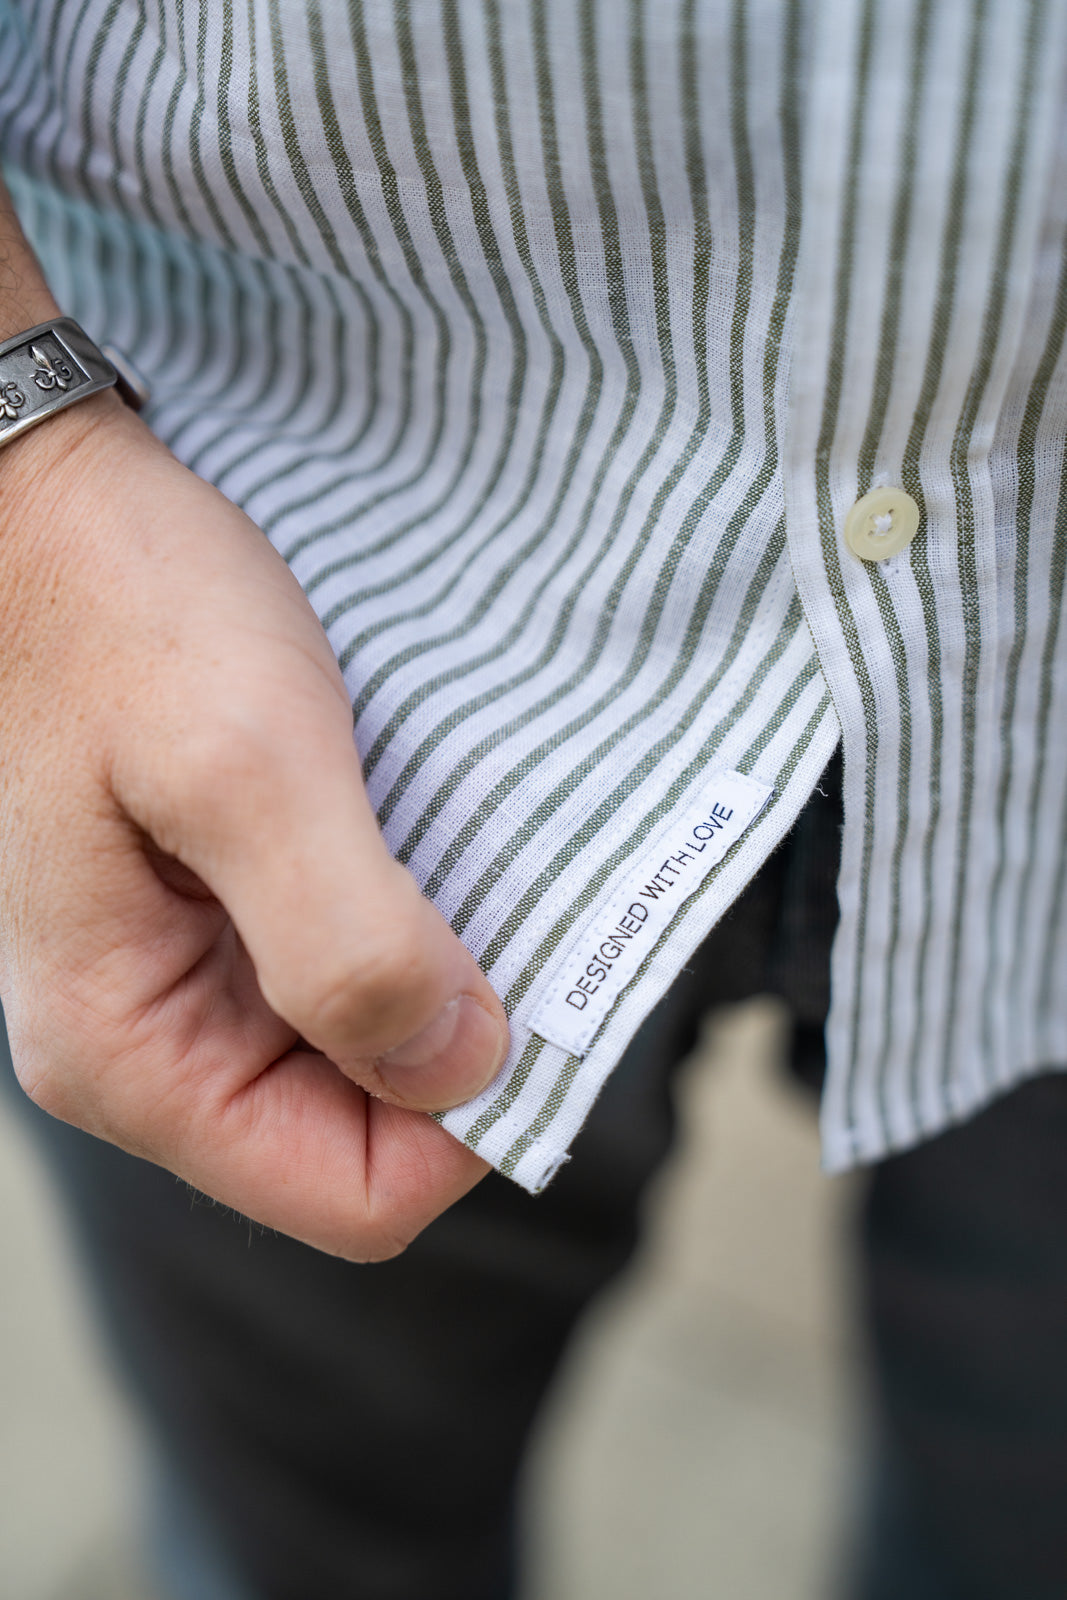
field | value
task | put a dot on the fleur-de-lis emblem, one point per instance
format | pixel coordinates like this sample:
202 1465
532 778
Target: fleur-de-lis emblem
11 399
52 371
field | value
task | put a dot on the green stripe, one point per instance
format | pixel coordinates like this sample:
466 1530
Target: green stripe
884 373
92 64
932 373
170 175
475 558
227 158
1026 475
833 395
686 648
391 196
614 269
117 198
147 180
317 338
61 92
992 324
509 1094
569 272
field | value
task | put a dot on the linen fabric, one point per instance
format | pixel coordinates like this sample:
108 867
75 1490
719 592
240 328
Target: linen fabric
550 343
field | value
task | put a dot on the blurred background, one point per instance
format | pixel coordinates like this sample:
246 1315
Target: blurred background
704 1439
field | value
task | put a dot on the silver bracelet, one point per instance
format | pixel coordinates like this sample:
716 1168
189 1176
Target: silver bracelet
52 366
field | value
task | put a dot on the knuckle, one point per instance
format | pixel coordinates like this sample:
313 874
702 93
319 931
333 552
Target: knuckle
196 777
40 1057
230 750
48 1092
74 1059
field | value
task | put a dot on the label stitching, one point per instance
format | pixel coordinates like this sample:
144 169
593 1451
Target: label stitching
716 828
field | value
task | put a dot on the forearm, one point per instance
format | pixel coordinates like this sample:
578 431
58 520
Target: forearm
25 298
35 465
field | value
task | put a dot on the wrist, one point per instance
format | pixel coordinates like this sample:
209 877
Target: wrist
47 457
54 480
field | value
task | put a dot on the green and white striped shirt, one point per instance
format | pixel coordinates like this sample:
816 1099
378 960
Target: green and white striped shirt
551 342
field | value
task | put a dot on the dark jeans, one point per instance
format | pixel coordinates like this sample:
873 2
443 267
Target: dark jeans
964 1262
331 1432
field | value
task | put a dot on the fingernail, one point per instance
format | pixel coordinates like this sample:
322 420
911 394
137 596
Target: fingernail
450 1060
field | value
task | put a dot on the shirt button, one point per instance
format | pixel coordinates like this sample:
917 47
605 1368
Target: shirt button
881 523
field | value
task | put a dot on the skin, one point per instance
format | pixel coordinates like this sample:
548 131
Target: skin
207 954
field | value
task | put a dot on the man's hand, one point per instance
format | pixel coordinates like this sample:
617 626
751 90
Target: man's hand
207 954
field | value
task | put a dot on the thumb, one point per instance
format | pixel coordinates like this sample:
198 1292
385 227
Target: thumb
268 808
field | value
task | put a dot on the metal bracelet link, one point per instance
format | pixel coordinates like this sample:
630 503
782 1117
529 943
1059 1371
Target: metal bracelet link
52 366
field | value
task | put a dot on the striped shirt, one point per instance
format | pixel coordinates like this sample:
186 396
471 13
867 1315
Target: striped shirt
551 341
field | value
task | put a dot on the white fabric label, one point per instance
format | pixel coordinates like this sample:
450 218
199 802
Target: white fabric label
602 960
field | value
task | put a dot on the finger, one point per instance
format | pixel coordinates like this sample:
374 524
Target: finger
268 808
305 1150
